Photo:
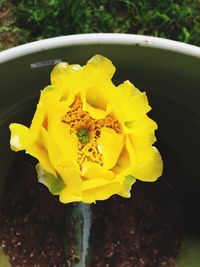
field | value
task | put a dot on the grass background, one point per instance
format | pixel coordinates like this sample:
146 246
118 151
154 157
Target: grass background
22 21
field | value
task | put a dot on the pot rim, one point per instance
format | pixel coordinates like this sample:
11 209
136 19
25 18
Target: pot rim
99 38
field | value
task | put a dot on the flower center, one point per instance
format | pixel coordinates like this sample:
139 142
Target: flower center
83 135
88 130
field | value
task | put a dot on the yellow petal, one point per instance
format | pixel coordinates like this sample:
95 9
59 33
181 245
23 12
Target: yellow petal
52 100
131 151
149 164
95 113
99 189
144 123
58 73
66 142
110 144
66 196
98 86
68 77
136 106
129 106
71 177
127 89
91 170
97 101
49 93
94 183
19 136
55 155
37 122
100 67
38 151
123 163
141 139
126 161
62 148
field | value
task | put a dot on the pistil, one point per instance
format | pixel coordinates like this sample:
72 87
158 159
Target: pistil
83 135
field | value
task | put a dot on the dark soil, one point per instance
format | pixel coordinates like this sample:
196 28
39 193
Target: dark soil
143 231
32 222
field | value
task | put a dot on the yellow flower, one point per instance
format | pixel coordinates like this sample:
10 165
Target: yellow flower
92 139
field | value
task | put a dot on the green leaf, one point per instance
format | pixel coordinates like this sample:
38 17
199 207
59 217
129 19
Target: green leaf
54 184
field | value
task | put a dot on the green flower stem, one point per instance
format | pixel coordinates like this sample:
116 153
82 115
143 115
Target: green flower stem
78 225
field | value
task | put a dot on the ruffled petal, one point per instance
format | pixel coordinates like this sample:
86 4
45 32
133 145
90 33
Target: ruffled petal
127 106
143 124
110 144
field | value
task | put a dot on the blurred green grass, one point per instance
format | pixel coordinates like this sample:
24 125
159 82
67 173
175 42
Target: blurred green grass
4 260
30 20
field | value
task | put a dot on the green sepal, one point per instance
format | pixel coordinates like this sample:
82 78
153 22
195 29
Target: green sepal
128 182
54 184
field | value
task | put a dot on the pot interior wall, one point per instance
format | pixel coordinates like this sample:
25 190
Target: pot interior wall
171 80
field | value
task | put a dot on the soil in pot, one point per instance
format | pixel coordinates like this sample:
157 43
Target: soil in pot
143 231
